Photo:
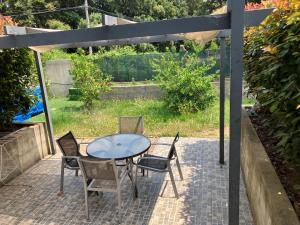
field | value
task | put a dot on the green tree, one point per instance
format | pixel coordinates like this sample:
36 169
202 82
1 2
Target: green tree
88 79
56 24
95 20
15 83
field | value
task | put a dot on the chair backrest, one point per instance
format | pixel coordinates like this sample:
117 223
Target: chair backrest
131 124
68 145
173 148
98 169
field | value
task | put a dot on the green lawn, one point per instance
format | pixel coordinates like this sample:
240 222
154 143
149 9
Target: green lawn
159 121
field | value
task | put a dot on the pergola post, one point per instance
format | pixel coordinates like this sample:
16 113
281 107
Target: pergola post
222 97
40 73
236 81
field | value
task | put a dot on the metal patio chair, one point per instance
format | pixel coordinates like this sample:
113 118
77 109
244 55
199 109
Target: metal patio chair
131 124
70 150
161 164
101 176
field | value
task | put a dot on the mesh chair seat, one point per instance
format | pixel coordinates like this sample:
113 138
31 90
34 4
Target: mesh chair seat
72 163
153 163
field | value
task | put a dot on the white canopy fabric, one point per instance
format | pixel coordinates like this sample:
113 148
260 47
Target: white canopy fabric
205 36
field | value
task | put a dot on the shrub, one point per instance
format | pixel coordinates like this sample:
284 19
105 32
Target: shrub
15 83
186 84
58 25
272 59
89 79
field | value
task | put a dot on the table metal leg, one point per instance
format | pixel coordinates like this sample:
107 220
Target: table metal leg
131 177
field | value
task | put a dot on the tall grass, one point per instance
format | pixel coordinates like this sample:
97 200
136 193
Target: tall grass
159 121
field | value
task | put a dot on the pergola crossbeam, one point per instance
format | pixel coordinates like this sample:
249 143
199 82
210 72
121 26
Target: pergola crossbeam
14 30
158 31
145 29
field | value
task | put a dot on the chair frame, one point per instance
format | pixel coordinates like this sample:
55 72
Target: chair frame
88 186
64 163
168 160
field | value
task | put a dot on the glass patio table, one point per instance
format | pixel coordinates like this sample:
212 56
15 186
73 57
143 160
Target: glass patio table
119 147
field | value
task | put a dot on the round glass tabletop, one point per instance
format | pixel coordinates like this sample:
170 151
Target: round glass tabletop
118 146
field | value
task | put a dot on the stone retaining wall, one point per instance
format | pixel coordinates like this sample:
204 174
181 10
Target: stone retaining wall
268 199
132 92
58 75
22 149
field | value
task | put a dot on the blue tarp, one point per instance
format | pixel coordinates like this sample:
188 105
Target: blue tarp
34 110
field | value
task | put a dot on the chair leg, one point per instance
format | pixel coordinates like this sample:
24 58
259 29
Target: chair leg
62 177
135 183
173 181
86 203
179 169
76 173
164 188
118 217
119 199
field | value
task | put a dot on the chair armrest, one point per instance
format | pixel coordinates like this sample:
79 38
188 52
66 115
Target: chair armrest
161 144
153 158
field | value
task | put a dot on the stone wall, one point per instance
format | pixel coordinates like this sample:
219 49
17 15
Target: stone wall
132 92
268 199
22 149
58 75
150 91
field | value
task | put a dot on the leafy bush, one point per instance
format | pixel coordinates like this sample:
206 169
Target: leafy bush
95 20
186 84
272 59
58 25
15 83
89 79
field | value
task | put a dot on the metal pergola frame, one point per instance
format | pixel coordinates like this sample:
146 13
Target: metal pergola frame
165 30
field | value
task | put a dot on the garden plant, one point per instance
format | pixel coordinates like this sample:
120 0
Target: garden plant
272 66
89 79
16 76
186 82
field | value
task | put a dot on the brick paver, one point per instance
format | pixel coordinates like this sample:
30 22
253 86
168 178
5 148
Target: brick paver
32 197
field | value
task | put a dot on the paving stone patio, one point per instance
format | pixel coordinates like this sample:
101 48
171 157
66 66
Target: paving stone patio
32 197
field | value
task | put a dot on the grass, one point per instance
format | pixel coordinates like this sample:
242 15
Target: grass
159 121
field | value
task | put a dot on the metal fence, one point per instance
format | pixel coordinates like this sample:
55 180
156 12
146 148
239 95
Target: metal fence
126 68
